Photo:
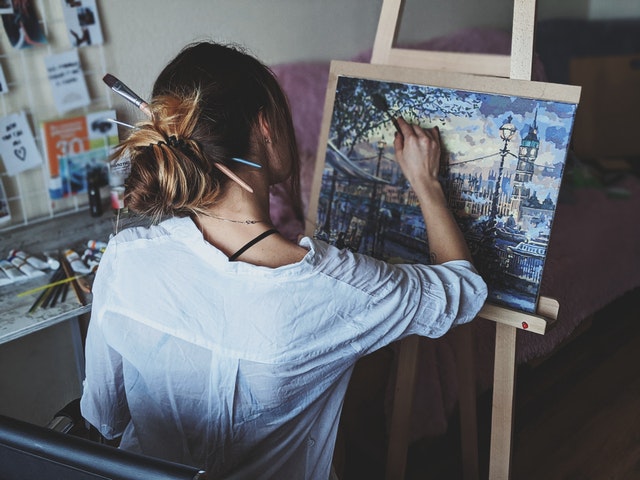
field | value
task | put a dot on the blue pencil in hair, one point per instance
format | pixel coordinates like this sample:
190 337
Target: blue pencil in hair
246 162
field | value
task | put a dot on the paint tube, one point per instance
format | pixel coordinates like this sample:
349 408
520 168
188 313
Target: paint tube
11 270
30 259
76 263
91 258
26 268
97 245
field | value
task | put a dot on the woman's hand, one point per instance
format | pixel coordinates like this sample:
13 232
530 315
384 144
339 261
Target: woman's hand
418 152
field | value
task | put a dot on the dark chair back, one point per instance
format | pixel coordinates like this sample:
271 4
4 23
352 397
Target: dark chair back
31 452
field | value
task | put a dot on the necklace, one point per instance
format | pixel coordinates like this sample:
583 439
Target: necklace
245 222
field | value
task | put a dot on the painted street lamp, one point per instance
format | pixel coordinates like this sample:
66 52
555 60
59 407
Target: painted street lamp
507 131
489 259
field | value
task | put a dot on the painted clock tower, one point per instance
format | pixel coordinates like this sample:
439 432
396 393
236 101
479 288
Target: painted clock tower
527 154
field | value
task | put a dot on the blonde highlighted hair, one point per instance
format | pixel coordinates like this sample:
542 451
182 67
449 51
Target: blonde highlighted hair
171 174
206 108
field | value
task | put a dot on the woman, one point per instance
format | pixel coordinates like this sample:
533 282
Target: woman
216 342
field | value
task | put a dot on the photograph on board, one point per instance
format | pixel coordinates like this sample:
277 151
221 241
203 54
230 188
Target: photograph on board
503 157
5 213
22 26
83 23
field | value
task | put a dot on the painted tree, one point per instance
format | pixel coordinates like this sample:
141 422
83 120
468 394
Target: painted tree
359 115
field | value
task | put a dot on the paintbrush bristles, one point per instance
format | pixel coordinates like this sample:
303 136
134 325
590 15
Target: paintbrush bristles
121 89
110 80
381 104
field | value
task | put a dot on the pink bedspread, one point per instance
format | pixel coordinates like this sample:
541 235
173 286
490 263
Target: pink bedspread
593 258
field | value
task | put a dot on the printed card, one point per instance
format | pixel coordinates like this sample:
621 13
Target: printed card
4 87
21 24
83 23
17 145
6 7
76 147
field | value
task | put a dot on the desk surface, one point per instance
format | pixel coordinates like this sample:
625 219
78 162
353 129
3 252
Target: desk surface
69 231
16 322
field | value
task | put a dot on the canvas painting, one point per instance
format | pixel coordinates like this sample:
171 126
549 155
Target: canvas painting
17 144
504 146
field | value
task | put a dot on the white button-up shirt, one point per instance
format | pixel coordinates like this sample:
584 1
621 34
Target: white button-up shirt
240 369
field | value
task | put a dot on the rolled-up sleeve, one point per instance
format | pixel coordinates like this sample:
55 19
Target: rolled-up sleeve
455 292
419 299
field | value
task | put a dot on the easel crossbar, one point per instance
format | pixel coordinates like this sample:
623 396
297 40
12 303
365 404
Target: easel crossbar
537 322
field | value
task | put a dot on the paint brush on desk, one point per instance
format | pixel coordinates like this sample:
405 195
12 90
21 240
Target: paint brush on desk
45 297
121 89
74 283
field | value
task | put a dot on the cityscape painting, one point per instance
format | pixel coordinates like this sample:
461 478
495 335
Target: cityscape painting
503 155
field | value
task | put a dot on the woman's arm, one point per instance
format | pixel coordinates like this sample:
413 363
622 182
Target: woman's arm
418 153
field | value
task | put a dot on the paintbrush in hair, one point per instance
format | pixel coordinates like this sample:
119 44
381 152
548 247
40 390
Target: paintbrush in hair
124 91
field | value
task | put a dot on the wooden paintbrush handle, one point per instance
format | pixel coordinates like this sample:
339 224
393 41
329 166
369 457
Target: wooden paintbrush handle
74 283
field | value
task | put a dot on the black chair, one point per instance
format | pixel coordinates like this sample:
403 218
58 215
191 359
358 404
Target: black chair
32 452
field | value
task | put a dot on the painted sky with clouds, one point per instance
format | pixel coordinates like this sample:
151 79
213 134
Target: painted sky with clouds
468 138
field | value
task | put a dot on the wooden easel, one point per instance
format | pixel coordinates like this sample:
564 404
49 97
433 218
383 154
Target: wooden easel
516 66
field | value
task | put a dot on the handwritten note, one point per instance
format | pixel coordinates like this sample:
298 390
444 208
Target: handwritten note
17 145
67 81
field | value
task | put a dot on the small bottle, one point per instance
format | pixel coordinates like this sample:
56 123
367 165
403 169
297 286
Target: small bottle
95 202
117 199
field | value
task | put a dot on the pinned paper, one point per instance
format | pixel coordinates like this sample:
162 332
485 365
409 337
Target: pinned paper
4 87
83 23
78 146
21 24
17 145
67 81
6 7
5 213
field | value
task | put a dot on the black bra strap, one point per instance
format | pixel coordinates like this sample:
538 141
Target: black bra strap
251 243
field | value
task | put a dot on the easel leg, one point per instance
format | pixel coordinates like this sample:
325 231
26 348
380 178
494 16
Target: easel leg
503 397
465 365
401 414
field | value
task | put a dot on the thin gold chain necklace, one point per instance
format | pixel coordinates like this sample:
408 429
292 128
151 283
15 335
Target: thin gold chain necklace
245 222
